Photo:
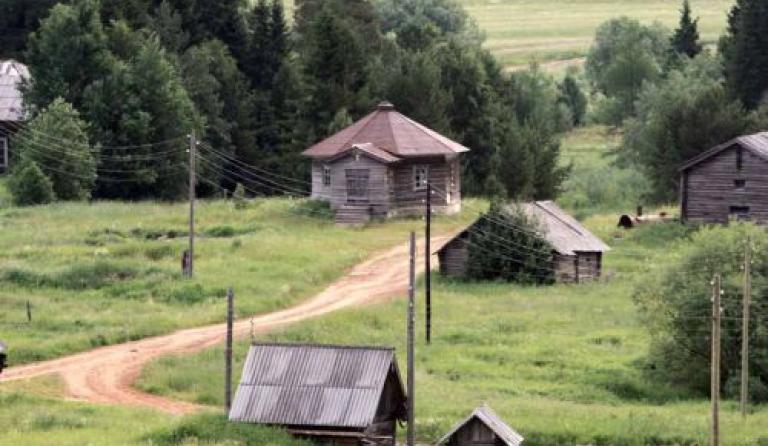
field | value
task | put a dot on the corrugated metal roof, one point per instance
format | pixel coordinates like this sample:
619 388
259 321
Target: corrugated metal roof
487 416
566 235
371 150
390 131
11 102
312 385
756 143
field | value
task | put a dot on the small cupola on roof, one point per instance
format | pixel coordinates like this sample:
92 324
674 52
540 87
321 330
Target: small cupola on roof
388 130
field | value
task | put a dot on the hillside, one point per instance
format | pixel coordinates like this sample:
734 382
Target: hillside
522 31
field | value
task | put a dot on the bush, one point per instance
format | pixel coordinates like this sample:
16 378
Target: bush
77 277
315 209
238 197
209 427
70 162
676 307
29 185
504 244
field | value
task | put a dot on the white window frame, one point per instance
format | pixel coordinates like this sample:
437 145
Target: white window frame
4 151
326 175
420 176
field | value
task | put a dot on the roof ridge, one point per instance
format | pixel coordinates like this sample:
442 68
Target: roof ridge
316 345
363 125
557 217
426 130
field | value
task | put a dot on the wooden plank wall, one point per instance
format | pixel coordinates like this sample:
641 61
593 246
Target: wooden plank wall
444 176
378 183
708 189
453 258
588 266
565 268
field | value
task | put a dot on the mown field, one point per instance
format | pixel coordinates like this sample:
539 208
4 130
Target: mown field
521 31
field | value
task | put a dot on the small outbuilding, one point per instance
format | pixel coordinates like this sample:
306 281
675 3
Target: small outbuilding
380 167
12 114
482 428
577 253
334 395
729 181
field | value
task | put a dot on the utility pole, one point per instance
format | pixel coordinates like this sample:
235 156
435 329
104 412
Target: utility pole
745 326
192 181
228 351
715 373
411 429
428 261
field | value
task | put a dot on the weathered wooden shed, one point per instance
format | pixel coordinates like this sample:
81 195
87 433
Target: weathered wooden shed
482 428
379 166
729 181
12 114
336 395
577 256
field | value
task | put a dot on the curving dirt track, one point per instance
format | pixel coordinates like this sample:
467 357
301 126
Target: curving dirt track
106 374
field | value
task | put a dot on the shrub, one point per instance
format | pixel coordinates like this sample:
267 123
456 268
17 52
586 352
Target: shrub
238 197
315 209
676 307
29 185
209 427
504 244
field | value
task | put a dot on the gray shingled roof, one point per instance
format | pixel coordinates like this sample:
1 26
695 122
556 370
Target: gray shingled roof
566 235
487 416
11 103
756 143
312 385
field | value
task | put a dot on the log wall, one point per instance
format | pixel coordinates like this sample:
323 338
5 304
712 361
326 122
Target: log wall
709 190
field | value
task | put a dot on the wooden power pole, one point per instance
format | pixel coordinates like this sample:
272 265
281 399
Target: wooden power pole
428 262
192 181
228 350
411 429
715 373
747 301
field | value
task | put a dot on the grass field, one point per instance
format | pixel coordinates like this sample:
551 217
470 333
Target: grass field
564 364
103 273
521 31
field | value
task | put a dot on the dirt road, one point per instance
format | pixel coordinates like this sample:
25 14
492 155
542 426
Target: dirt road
106 375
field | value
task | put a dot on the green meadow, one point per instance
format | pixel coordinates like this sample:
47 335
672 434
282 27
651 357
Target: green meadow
522 31
563 364
104 273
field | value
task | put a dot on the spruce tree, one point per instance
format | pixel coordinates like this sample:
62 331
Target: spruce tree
685 39
745 51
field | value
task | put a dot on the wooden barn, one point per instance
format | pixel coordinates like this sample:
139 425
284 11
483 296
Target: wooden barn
334 395
729 181
482 428
577 256
12 114
379 167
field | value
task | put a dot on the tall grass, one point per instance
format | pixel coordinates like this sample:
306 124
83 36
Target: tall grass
101 273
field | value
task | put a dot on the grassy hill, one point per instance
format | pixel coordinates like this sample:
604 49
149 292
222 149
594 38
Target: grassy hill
521 31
